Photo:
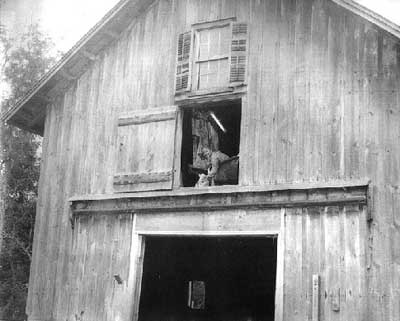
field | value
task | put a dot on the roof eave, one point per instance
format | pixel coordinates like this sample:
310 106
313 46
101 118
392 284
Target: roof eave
24 113
370 16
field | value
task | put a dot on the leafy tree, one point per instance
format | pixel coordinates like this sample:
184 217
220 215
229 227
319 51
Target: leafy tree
23 65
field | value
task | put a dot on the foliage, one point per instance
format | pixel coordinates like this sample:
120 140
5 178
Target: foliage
23 64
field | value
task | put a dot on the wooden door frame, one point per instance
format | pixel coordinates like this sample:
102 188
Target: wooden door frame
138 252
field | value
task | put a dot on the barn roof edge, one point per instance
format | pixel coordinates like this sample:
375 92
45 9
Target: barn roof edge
29 112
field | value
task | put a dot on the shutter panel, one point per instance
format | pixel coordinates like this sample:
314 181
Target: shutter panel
238 53
182 81
146 147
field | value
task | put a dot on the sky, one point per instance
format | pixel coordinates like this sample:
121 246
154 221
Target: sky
67 21
390 9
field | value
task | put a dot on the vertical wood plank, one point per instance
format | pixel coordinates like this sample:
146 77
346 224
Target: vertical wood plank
138 263
332 257
280 270
294 307
351 273
315 297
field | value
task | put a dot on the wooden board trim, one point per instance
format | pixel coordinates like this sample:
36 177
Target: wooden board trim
229 189
222 201
223 207
213 23
148 116
266 233
138 178
211 91
137 261
315 297
280 270
177 174
213 96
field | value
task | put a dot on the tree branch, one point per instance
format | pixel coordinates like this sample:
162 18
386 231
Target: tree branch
18 242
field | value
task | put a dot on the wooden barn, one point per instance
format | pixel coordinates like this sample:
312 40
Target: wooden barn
300 219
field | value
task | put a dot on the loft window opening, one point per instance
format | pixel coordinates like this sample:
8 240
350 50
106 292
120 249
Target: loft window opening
210 144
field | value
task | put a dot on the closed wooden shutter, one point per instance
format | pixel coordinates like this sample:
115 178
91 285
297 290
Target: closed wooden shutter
146 147
238 53
182 80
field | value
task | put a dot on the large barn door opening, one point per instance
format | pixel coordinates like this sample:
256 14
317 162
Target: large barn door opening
204 278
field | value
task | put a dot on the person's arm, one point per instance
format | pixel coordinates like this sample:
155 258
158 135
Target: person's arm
214 165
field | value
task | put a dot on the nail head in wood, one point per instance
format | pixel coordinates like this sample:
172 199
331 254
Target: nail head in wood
118 278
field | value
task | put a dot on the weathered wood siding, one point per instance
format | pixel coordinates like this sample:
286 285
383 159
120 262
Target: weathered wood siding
100 254
323 102
330 242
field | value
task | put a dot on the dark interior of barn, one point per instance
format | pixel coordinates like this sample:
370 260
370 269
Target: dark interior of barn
215 126
234 278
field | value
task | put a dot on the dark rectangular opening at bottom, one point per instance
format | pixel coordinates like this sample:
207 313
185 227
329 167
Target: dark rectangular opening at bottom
208 278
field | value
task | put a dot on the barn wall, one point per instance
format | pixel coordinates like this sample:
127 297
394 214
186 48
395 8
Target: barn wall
323 103
328 241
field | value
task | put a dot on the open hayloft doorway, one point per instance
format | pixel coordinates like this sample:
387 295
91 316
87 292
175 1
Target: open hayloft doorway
208 278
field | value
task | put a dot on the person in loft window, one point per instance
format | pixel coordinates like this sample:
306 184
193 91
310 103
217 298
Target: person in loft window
204 134
213 160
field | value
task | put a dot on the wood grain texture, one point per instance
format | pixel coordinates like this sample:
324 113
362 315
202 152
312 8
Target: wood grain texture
322 104
149 116
204 200
315 298
123 179
333 254
101 250
146 145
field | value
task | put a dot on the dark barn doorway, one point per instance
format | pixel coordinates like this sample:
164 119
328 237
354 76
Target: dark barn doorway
204 278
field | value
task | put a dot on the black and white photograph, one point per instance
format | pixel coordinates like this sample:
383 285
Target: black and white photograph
200 160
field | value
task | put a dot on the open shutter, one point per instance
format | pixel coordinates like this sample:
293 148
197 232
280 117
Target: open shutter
182 81
146 143
238 53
